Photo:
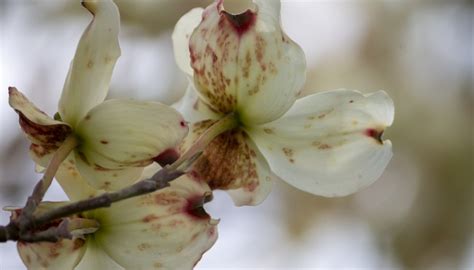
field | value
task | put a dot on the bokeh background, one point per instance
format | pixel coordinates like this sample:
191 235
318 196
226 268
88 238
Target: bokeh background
419 215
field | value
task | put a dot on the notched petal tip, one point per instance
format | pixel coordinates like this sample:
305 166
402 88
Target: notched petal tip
376 134
244 62
195 206
241 22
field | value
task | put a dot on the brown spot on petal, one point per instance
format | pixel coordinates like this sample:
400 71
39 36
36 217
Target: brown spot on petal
106 185
228 162
143 246
166 199
288 153
104 142
108 59
90 64
324 146
269 130
150 218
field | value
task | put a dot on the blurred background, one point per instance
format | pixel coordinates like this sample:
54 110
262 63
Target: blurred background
419 215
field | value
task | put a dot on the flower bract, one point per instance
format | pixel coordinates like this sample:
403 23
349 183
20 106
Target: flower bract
243 64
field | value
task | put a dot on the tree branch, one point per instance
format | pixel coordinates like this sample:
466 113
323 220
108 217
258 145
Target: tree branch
158 181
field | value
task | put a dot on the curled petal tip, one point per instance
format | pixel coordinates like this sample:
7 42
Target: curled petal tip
214 222
11 89
89 5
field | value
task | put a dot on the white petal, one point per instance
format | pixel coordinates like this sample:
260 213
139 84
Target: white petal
38 127
246 63
181 34
193 108
330 143
87 82
231 162
96 258
64 254
106 179
158 230
119 134
73 184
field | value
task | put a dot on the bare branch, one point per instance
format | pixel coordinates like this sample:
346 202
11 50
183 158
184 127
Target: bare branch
158 181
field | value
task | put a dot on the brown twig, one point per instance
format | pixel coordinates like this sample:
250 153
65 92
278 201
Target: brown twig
12 231
158 181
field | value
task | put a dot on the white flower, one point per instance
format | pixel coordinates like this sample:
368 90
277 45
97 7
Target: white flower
244 65
166 229
117 138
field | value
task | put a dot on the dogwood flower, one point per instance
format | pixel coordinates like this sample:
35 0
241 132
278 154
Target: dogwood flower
244 66
117 138
167 229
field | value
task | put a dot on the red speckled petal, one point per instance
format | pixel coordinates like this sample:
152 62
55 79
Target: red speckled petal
87 82
329 143
64 254
246 63
233 163
38 127
166 229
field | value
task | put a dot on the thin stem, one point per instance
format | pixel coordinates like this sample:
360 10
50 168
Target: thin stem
42 186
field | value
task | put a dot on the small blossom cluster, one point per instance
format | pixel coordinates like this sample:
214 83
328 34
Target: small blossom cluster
243 109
